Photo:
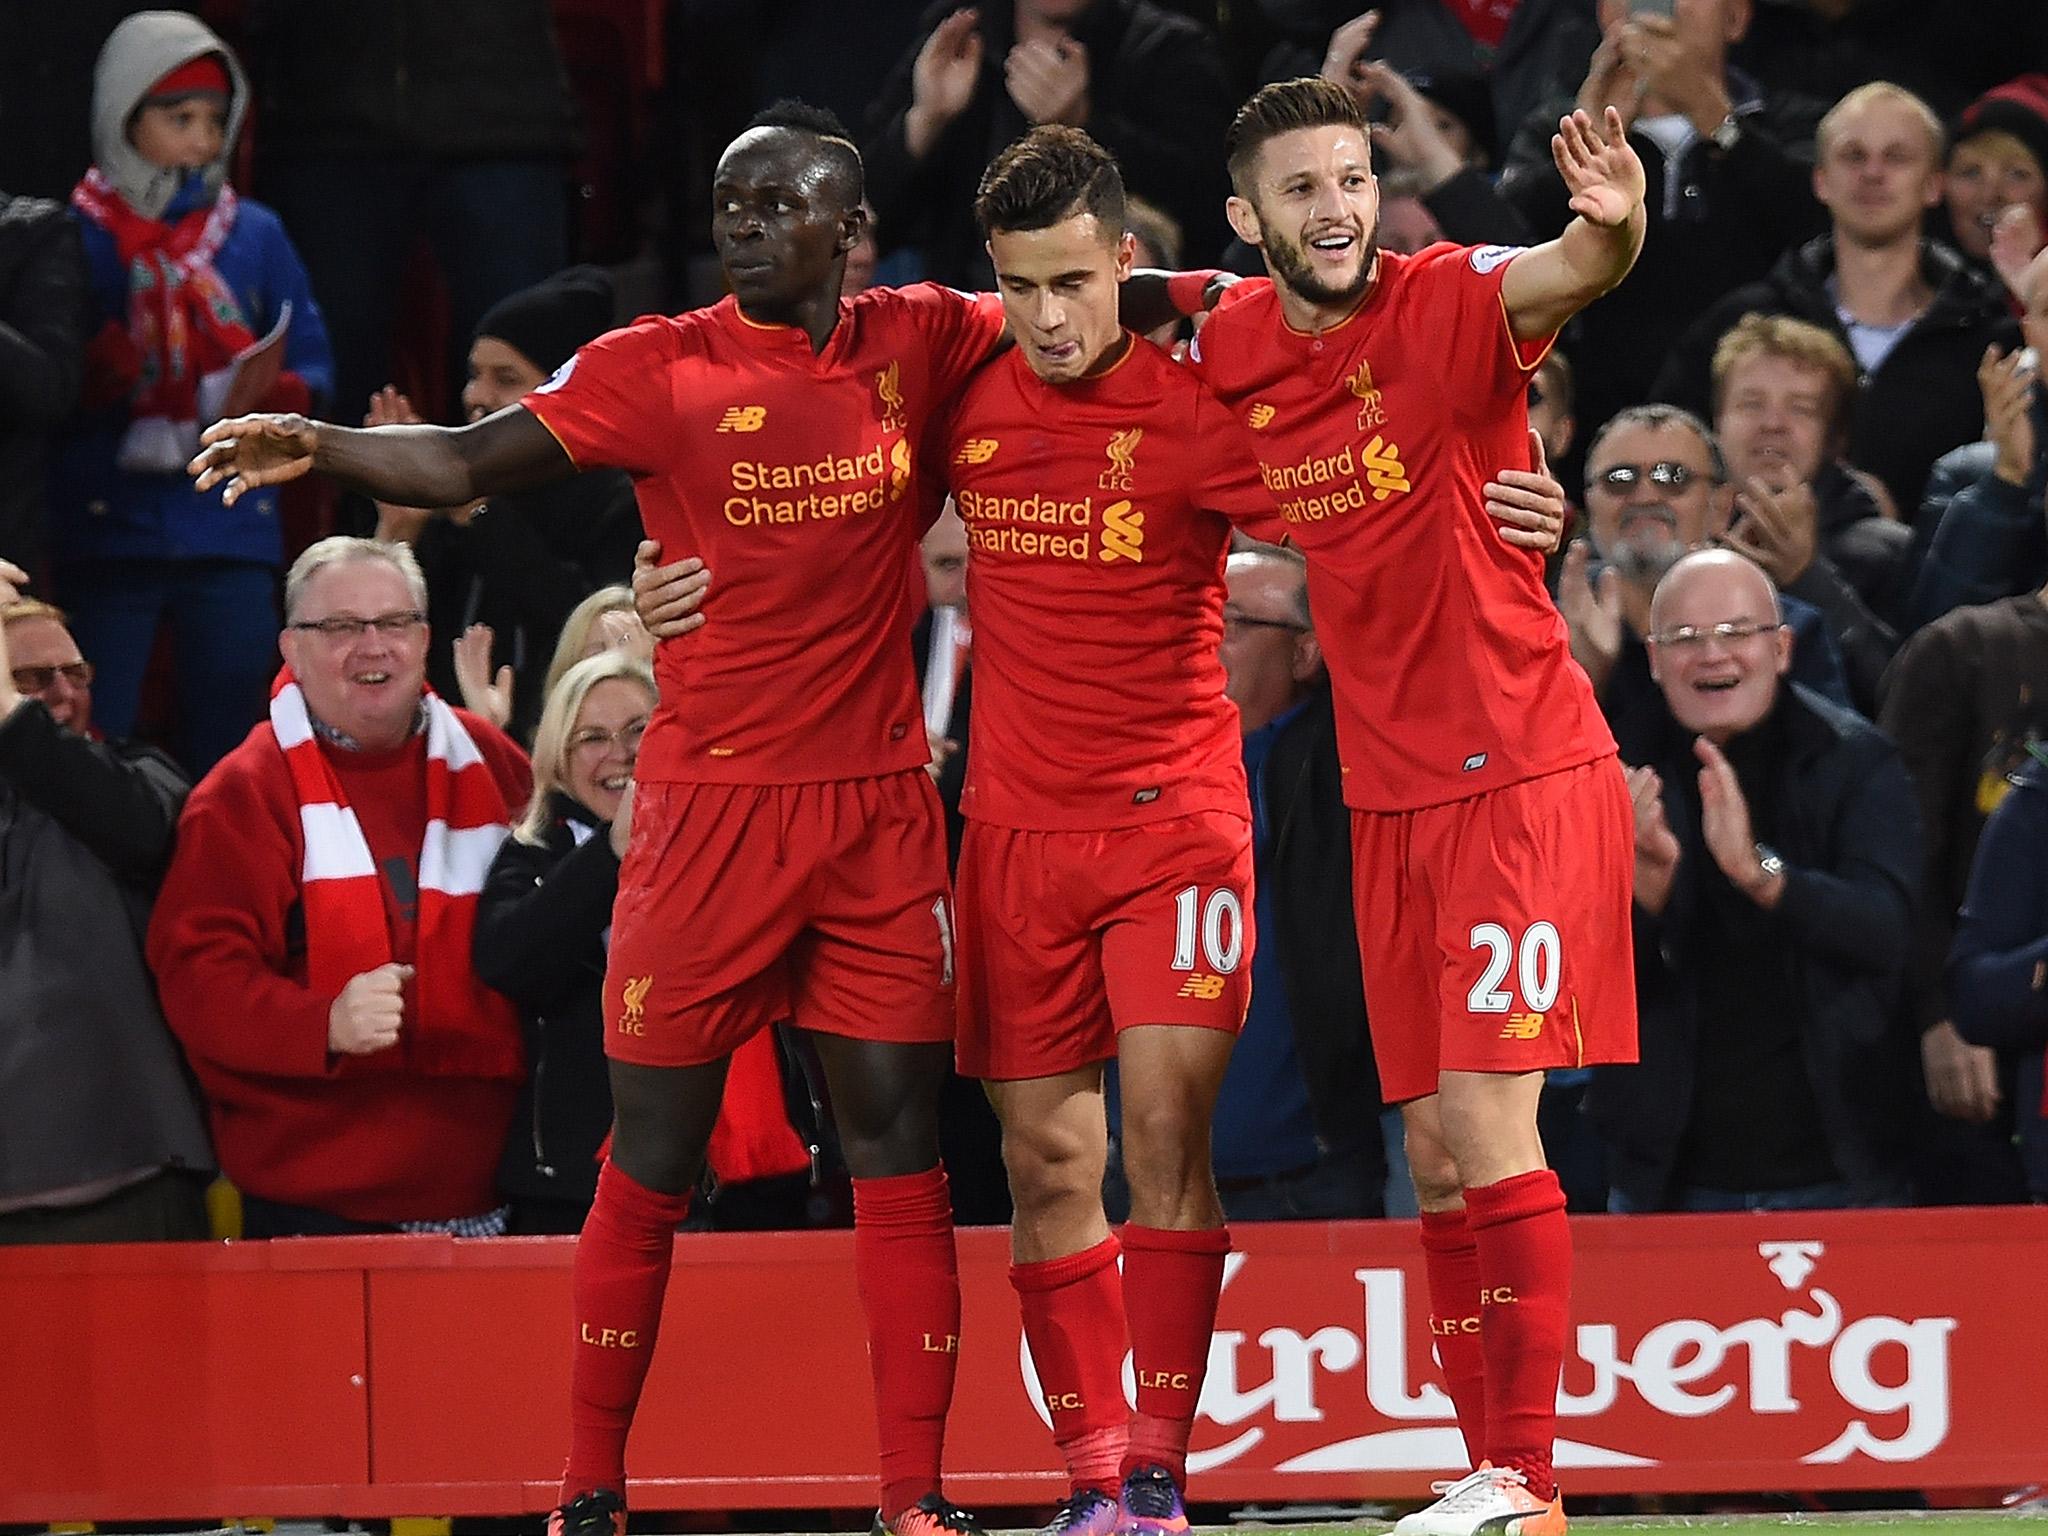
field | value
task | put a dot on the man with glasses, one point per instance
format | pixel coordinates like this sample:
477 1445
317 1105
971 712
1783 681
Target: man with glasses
105 1140
1656 490
312 942
1776 852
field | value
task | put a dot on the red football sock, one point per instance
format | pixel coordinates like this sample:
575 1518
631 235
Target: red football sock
1074 1319
1452 1261
1171 1283
616 1288
909 1280
1525 1278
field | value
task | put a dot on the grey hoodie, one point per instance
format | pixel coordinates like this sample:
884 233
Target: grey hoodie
141 51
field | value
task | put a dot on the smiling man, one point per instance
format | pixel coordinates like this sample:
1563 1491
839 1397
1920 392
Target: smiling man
788 857
1776 852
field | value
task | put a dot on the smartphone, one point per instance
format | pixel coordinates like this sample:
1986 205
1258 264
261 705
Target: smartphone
1652 7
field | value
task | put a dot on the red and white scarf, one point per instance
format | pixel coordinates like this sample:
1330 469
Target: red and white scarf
182 316
454 1025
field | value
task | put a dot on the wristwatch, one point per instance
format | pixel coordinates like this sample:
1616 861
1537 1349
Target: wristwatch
1768 864
1723 138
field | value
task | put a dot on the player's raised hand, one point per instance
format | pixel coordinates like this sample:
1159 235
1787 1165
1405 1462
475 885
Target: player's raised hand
368 1014
252 451
481 693
1592 614
1600 169
667 597
1528 504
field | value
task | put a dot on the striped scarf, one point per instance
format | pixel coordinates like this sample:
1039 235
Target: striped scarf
455 1026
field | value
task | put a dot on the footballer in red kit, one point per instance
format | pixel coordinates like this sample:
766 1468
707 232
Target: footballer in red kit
1492 831
787 857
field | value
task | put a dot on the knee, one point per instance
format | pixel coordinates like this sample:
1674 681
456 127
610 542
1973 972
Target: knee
898 1138
655 1152
1047 1170
1434 1172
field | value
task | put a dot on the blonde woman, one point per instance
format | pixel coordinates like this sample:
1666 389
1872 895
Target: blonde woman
542 926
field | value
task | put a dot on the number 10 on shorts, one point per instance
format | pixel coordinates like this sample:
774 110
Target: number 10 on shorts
1538 963
1217 922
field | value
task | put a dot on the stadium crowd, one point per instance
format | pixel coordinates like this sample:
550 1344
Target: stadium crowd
338 935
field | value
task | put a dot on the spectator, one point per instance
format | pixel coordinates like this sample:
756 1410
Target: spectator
386 119
1776 854
1499 57
1996 965
1436 130
312 941
518 563
184 275
1296 1133
101 1137
1781 390
42 325
1729 183
1980 521
1915 317
1965 700
542 925
1145 82
1655 489
1551 413
1998 159
603 621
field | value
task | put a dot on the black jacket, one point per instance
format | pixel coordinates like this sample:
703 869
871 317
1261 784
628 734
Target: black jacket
1718 219
1849 832
1159 101
1980 538
92 1085
520 565
43 307
2001 945
1923 399
1307 862
539 939
450 79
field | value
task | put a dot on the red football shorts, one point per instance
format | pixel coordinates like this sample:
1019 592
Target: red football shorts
1068 937
742 905
1494 931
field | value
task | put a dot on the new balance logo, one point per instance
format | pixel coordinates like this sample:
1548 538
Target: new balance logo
1202 985
1260 417
743 418
976 450
1522 1026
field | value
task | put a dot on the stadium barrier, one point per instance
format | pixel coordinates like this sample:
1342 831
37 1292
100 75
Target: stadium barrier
428 1376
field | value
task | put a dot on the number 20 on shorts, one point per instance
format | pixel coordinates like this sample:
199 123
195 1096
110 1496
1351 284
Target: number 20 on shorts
1538 962
1217 922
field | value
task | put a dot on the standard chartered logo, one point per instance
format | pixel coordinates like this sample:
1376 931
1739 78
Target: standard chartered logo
1123 533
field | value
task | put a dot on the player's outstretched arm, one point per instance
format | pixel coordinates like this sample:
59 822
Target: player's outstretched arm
1548 284
418 466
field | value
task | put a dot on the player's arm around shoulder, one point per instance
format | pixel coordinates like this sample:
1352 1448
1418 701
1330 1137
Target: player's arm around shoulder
1549 283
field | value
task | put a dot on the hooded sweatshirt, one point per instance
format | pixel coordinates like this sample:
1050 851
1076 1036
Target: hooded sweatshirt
100 511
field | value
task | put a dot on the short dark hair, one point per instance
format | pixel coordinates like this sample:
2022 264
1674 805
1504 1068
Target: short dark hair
1285 106
1052 173
824 125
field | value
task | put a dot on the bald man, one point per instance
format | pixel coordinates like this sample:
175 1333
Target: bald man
1777 847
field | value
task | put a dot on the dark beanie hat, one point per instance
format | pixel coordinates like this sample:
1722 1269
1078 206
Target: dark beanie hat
549 321
2018 107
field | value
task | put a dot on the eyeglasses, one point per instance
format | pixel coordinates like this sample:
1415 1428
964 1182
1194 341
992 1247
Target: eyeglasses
1686 637
592 740
1237 623
41 679
392 626
1667 474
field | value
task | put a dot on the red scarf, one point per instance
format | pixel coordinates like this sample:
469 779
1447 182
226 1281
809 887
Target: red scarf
182 317
455 1026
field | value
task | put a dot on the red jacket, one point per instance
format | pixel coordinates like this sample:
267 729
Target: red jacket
292 1122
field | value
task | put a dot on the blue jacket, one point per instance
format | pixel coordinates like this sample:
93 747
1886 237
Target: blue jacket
1997 966
99 512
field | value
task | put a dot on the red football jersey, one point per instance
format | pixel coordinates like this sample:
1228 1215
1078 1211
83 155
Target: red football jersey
793 476
1095 579
1451 665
